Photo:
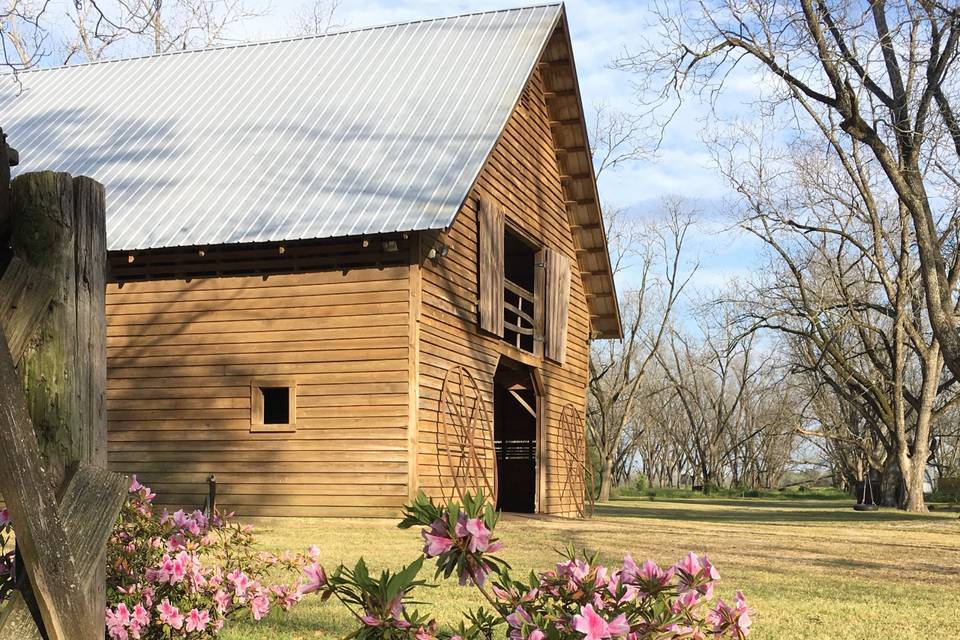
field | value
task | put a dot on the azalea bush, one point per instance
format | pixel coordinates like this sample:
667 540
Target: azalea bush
183 575
7 566
173 575
578 599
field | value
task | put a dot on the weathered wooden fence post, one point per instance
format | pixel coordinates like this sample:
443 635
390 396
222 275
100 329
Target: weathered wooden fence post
52 422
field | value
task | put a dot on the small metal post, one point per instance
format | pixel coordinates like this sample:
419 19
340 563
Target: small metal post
211 504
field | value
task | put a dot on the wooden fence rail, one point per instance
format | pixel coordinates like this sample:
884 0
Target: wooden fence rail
52 416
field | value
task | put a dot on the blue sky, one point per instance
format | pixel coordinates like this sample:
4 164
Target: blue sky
601 30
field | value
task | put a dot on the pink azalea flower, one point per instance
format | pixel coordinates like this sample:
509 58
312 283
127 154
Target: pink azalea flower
619 626
370 620
709 570
141 616
577 570
590 624
117 621
197 620
518 618
686 600
536 634
690 565
729 620
316 578
479 535
435 544
170 615
123 614
651 571
630 569
222 600
395 607
240 581
313 551
259 606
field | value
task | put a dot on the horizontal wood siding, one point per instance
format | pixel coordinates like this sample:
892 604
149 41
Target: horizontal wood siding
180 359
522 177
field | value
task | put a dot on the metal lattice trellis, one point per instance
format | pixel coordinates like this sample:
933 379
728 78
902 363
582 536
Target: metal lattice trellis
465 438
578 479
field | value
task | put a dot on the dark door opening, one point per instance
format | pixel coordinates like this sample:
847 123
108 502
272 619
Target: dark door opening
515 406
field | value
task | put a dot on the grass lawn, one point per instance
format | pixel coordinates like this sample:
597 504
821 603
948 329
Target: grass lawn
810 568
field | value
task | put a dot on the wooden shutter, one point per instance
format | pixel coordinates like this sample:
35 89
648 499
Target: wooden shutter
490 265
558 300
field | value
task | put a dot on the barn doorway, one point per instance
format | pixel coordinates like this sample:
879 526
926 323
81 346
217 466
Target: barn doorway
516 407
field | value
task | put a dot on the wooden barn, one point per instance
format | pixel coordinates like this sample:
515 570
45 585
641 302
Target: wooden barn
343 268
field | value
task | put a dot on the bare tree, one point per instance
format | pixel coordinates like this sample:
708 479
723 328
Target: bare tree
95 29
844 285
22 35
877 78
618 369
617 137
315 18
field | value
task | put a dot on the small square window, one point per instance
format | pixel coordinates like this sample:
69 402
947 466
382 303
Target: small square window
273 405
276 405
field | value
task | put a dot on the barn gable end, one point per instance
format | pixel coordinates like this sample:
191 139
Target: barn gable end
522 177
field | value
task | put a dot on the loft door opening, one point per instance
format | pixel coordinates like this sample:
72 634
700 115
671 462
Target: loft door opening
519 313
515 408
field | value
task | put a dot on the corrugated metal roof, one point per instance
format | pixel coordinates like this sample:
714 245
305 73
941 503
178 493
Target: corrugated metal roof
363 131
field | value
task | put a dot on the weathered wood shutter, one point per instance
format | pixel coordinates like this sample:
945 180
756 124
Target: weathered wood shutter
558 300
491 267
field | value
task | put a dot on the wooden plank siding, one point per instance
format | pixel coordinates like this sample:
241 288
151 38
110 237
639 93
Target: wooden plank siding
522 176
181 356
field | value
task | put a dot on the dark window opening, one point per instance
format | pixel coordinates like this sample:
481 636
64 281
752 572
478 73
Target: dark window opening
519 270
276 405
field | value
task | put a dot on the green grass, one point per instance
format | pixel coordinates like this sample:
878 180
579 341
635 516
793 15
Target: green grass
812 569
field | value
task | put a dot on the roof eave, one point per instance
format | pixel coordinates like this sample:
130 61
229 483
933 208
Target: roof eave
572 142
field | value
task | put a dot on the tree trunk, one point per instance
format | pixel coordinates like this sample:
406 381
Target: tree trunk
913 477
606 478
891 481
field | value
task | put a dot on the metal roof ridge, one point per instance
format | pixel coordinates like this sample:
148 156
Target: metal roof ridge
257 43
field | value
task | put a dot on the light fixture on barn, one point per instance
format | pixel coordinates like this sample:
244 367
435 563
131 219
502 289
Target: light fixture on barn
438 251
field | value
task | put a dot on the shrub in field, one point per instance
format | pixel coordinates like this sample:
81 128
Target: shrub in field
948 489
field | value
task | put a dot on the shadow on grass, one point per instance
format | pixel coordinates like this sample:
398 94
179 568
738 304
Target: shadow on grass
744 512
